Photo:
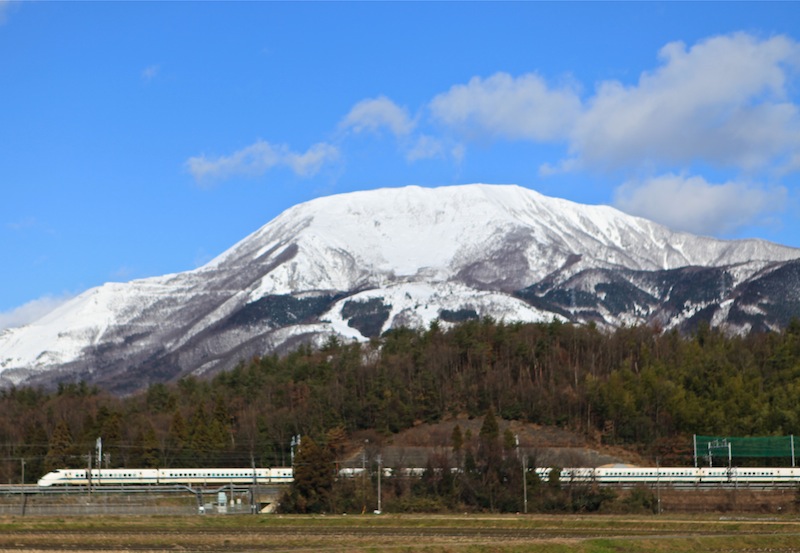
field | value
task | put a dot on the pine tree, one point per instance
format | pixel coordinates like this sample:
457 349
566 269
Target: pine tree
509 440
61 451
147 448
35 450
221 434
490 459
336 440
313 479
200 439
457 439
178 439
490 430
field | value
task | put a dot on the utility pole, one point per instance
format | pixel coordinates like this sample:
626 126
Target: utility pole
525 482
524 460
99 448
294 443
22 462
658 486
253 488
380 470
364 477
89 472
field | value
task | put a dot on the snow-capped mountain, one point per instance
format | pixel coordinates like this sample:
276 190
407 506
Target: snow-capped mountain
355 265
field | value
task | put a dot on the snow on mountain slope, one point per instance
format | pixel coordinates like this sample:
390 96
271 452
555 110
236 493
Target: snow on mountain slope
355 239
357 264
416 304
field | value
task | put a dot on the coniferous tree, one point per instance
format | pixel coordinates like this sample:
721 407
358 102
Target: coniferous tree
201 441
313 479
35 450
177 441
147 448
336 441
61 451
509 440
221 431
489 459
109 423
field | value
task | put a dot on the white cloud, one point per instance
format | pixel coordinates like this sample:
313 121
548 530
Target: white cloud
726 101
503 106
563 166
258 158
791 165
31 311
23 224
692 204
124 272
425 147
253 160
5 6
723 101
309 163
150 72
376 113
459 151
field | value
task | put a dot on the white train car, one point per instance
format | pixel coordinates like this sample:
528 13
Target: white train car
680 476
166 477
631 476
759 476
82 477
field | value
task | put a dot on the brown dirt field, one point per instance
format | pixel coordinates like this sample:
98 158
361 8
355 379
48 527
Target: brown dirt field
456 534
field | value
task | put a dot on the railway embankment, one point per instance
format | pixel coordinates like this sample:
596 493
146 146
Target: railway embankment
664 500
738 500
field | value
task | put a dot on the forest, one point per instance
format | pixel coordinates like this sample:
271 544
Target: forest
640 387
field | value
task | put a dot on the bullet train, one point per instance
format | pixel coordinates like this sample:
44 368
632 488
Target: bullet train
628 475
166 477
624 475
615 475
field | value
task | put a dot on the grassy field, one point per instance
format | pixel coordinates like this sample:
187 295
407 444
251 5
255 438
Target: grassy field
440 534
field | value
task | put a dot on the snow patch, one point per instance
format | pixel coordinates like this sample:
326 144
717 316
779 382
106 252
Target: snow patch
421 250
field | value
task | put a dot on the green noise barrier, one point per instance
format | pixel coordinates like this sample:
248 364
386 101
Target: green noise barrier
728 447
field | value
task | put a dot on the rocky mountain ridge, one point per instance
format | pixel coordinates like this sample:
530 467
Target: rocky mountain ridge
355 265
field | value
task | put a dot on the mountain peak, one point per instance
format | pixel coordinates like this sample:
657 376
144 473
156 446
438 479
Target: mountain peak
356 264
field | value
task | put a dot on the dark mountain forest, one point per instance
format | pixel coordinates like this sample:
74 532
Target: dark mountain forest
637 387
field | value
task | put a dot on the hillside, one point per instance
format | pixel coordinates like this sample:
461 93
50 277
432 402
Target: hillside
356 265
545 445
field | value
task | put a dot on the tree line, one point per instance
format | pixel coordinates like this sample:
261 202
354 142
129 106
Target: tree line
641 387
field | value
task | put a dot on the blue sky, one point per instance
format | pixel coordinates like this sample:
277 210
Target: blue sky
144 138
